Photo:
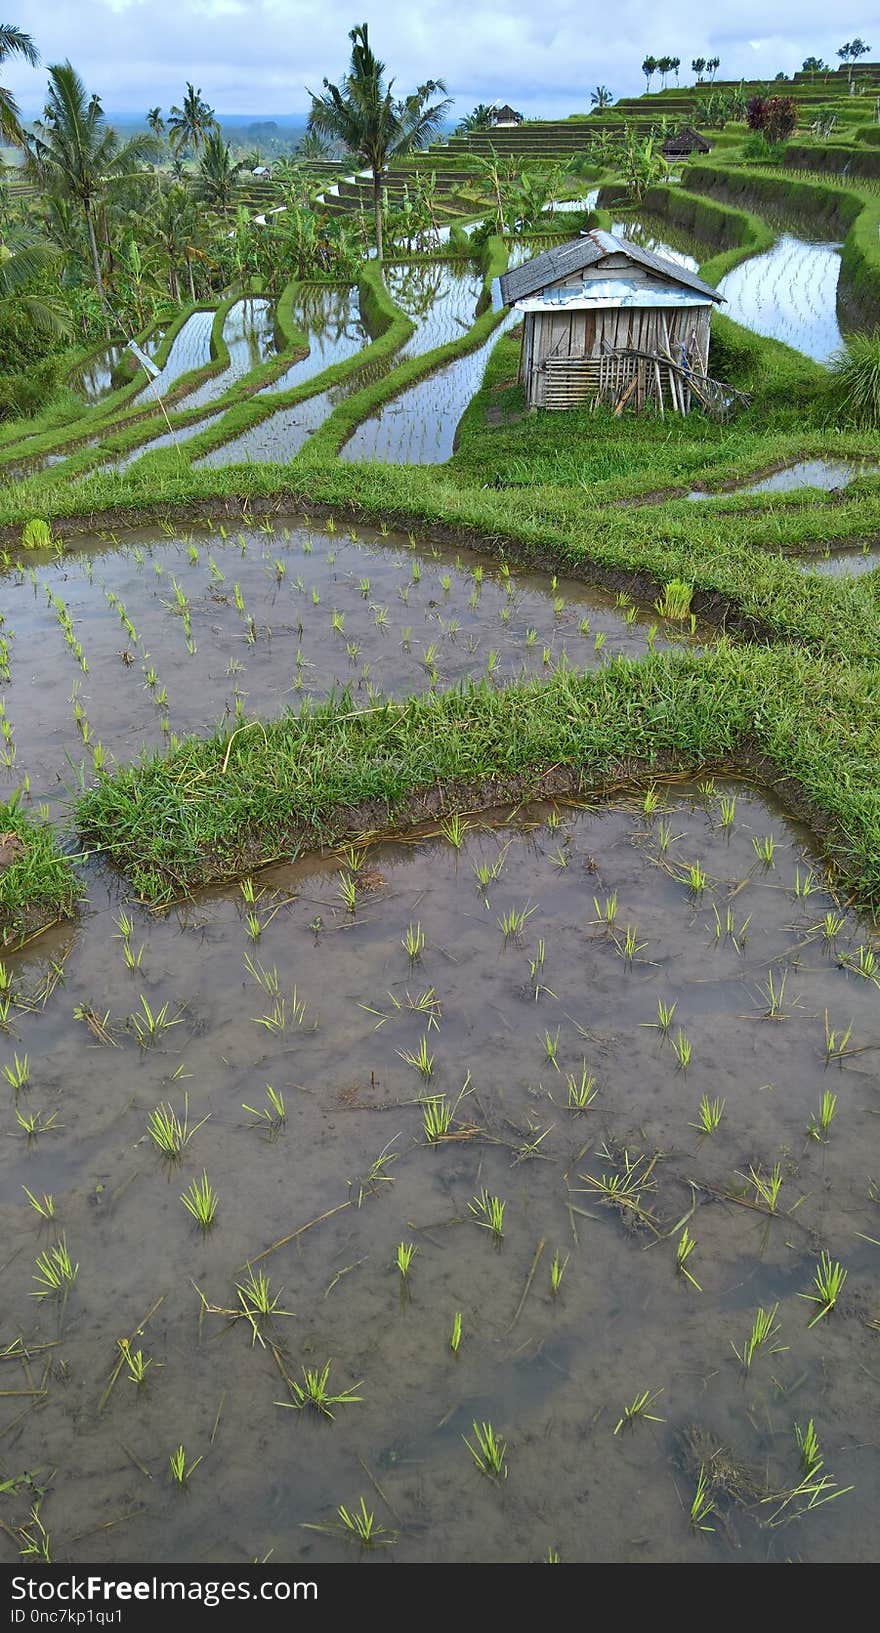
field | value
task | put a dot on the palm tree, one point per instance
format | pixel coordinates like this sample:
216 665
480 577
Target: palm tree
698 64
713 64
191 125
175 230
79 154
369 121
156 123
23 262
649 68
218 173
675 64
313 146
601 97
664 64
479 118
14 43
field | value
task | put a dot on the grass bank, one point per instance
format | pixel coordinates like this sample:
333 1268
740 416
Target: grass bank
218 806
37 885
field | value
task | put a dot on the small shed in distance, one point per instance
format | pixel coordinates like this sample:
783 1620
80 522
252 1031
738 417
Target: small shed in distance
604 318
686 142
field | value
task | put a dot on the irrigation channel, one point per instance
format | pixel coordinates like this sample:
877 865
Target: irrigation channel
543 1044
178 636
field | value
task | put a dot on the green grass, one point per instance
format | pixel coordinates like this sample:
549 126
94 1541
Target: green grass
211 810
38 886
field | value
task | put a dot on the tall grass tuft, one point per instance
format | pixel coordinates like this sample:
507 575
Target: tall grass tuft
856 372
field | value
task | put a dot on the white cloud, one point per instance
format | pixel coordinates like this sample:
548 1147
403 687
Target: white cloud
257 56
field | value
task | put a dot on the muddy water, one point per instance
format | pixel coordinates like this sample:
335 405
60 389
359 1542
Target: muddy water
843 563
249 333
551 1375
658 235
95 381
168 439
789 293
273 618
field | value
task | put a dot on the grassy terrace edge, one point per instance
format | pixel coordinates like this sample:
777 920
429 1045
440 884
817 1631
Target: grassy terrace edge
218 806
37 886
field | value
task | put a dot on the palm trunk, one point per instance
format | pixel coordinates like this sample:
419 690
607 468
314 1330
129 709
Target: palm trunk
96 265
192 287
377 210
175 285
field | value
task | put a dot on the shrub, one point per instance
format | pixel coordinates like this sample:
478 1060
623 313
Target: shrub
774 116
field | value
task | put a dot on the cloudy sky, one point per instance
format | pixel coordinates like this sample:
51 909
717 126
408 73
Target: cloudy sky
256 56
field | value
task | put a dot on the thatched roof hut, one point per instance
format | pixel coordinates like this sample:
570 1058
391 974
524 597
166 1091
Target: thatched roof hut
687 141
603 317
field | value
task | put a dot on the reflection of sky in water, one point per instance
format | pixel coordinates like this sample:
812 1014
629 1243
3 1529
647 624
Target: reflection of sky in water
249 333
331 320
805 473
790 294
190 349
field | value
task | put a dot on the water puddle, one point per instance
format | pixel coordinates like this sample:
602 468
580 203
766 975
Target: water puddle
545 1041
826 474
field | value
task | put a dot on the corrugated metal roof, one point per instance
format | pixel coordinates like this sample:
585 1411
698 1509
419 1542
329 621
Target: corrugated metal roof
595 293
566 260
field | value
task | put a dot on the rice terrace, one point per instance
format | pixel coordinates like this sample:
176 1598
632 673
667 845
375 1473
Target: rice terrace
440 830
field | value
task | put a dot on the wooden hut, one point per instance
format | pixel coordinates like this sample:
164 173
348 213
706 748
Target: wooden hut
686 142
605 318
506 115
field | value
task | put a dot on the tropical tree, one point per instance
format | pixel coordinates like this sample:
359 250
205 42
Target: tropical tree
155 123
664 65
80 155
192 124
649 69
218 173
175 229
675 63
813 66
14 43
25 262
313 146
363 114
641 164
698 64
713 64
479 118
850 53
601 97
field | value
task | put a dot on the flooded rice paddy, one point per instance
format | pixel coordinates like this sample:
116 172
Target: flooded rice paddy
133 643
529 987
190 349
439 297
249 333
789 293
